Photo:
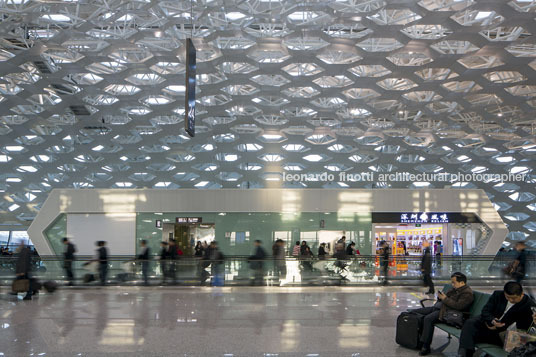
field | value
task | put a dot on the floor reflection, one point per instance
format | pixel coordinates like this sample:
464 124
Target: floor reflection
327 321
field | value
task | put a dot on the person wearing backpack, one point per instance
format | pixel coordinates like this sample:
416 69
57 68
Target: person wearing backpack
68 258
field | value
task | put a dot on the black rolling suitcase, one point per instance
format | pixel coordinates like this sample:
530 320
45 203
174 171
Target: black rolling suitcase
409 329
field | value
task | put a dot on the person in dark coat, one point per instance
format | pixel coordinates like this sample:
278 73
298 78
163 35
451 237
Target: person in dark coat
257 263
306 259
519 264
164 261
102 258
459 298
322 251
216 259
280 264
504 308
426 267
144 257
302 247
23 268
198 250
384 261
68 258
172 260
350 249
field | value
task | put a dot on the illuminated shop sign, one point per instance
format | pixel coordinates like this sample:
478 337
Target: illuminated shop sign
188 219
424 217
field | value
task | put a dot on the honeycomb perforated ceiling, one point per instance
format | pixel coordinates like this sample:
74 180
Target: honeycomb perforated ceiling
92 95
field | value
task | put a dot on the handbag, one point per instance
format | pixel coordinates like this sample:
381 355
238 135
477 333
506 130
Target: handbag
523 351
20 285
453 318
515 339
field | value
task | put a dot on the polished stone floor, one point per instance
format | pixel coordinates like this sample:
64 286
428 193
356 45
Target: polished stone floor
205 322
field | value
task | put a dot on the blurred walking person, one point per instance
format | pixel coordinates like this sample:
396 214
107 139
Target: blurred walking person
199 250
256 263
68 258
164 261
517 268
322 251
426 267
384 261
296 249
144 257
280 264
172 257
350 249
102 258
23 268
216 259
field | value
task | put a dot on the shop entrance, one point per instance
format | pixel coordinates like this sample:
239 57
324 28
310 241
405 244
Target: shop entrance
331 238
407 239
187 234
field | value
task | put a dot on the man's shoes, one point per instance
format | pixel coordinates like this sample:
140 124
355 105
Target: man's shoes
27 297
424 351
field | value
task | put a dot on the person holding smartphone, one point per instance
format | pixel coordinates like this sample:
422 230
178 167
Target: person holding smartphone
459 298
504 308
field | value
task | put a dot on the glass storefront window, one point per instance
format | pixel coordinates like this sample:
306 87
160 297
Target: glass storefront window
236 231
4 238
20 237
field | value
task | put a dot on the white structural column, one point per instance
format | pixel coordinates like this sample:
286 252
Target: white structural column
115 201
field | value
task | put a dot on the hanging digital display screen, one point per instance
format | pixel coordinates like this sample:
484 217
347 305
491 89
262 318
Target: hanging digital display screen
189 120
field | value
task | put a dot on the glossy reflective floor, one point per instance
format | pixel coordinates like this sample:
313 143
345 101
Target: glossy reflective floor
181 321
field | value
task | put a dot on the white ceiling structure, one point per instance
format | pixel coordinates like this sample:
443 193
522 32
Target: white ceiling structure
92 95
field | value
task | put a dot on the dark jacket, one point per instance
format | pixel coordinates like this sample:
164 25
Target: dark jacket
24 263
199 251
520 313
172 252
349 250
426 262
457 299
321 253
256 260
103 255
384 256
145 254
214 256
522 259
164 253
69 252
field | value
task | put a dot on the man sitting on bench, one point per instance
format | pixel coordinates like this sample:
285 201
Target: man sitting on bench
459 298
503 308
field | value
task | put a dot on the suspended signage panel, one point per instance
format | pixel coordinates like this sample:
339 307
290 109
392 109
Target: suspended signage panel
424 217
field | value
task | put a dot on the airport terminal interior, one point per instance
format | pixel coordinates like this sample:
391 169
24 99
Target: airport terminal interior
267 177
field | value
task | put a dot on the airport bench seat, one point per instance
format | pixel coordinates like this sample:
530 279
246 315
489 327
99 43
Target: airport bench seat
479 302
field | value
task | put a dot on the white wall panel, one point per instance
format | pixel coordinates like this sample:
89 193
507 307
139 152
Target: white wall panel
117 229
101 201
